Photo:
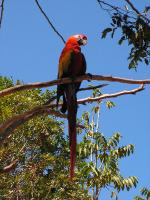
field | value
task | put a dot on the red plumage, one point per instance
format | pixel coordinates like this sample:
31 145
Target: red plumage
71 64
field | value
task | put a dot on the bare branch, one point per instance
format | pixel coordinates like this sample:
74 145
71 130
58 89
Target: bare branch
11 124
9 167
109 5
106 96
2 11
49 22
136 10
18 88
109 8
13 163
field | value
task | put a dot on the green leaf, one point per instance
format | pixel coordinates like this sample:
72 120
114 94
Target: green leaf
138 198
113 32
121 40
146 61
145 192
114 195
94 170
114 140
105 31
110 104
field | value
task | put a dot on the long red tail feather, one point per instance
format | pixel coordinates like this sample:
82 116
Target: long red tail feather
72 112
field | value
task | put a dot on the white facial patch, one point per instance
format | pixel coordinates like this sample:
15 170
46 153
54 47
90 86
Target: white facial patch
81 39
84 42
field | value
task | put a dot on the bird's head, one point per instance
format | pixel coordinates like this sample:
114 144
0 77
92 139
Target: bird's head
79 38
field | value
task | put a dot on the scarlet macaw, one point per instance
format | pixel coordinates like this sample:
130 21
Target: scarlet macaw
71 64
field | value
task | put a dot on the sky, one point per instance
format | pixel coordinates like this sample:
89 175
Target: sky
29 51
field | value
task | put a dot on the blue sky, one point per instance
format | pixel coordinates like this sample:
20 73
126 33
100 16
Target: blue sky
29 51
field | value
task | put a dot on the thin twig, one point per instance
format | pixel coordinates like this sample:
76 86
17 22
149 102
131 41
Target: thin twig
18 88
109 5
2 11
113 8
136 10
49 22
93 87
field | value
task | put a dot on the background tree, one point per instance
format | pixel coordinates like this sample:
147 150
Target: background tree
134 27
145 192
35 159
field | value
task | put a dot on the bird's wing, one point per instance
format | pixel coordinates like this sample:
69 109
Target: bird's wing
64 62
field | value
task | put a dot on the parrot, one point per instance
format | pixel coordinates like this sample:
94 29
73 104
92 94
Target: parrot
72 64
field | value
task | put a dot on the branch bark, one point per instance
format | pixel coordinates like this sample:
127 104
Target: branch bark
9 167
106 96
10 125
12 165
7 127
18 88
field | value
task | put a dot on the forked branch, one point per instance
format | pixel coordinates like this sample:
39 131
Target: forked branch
10 125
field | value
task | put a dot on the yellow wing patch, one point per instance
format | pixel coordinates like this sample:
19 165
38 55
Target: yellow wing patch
64 62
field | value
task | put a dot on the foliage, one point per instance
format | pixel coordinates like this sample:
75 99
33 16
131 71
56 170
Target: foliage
42 154
145 193
135 29
41 150
102 170
102 155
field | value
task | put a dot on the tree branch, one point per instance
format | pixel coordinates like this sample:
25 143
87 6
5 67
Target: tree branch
106 96
7 127
9 167
2 11
136 10
11 124
49 22
18 88
13 163
109 8
109 5
80 89
93 87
